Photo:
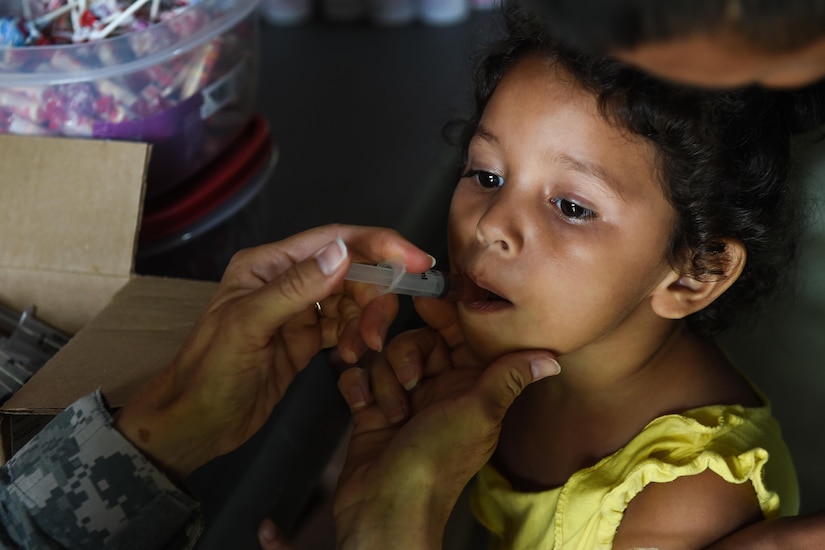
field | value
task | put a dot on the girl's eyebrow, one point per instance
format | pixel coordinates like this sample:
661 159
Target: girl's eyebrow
595 172
483 134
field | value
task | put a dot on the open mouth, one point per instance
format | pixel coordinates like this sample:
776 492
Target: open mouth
484 299
493 297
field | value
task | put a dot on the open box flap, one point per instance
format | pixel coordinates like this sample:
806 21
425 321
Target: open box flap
70 207
66 301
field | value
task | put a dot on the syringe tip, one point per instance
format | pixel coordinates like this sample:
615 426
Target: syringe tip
463 289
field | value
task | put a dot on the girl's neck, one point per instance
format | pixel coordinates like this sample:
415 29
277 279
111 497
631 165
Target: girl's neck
565 423
607 368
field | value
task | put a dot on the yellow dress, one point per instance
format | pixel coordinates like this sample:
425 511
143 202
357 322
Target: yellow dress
740 444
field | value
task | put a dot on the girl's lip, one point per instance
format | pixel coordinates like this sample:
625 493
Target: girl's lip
493 296
486 306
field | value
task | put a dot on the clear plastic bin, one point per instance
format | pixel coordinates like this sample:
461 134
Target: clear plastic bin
187 85
195 230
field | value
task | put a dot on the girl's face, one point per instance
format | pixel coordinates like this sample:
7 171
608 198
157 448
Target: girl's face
561 215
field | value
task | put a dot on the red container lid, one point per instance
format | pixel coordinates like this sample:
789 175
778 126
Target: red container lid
213 194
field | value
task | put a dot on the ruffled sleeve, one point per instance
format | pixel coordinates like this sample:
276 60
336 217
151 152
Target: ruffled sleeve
741 445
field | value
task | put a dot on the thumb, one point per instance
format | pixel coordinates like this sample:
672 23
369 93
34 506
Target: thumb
506 378
306 282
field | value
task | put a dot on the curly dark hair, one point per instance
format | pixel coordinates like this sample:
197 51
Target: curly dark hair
724 158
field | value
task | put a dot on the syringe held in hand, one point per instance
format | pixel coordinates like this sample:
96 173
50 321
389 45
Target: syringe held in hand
393 278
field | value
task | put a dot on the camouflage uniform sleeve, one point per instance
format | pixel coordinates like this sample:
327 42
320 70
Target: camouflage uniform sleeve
80 484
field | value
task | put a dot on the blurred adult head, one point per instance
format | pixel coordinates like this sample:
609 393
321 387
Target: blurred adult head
720 43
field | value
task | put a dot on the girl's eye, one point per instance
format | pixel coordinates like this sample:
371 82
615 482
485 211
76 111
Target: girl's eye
485 179
573 211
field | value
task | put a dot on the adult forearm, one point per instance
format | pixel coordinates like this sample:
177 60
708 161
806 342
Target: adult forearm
80 484
167 426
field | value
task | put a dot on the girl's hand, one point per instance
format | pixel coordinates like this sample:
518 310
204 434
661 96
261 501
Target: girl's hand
411 356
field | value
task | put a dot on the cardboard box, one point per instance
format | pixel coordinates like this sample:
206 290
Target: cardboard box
69 225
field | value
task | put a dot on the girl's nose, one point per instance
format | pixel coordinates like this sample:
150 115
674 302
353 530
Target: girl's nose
500 224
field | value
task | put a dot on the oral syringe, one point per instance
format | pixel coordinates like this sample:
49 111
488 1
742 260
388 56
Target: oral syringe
392 277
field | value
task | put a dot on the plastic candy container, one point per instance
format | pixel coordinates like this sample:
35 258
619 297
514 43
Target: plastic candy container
195 230
185 81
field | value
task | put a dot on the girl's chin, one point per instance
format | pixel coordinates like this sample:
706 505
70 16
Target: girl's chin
486 348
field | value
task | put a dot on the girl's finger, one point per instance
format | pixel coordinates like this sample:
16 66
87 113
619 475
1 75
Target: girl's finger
354 385
387 391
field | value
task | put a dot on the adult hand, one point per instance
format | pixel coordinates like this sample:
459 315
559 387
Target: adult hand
258 331
400 481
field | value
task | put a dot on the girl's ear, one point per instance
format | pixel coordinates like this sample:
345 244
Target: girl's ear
678 295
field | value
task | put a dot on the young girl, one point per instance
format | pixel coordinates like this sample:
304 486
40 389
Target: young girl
620 222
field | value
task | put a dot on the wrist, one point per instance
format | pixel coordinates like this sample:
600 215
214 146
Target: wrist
156 423
407 511
407 521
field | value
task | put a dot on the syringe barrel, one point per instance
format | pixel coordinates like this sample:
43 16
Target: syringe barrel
432 284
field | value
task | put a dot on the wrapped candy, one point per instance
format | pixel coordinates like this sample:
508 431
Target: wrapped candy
147 77
12 32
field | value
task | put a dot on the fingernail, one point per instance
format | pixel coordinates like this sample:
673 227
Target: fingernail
432 260
349 356
408 375
331 256
357 398
397 410
382 336
542 367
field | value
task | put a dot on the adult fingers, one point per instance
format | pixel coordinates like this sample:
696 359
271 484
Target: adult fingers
367 244
506 378
373 245
260 313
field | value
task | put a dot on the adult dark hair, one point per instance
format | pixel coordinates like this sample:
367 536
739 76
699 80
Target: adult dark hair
767 25
724 158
